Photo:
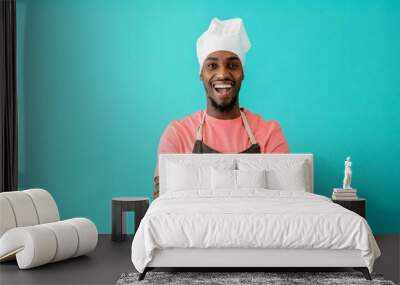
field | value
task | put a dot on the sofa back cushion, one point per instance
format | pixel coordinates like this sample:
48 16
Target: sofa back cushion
26 208
193 171
282 174
236 179
188 174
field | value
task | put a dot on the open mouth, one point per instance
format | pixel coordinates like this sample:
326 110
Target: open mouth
223 88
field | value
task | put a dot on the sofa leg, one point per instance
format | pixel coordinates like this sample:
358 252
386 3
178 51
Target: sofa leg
364 271
143 274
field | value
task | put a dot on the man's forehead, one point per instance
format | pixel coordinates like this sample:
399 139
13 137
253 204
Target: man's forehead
222 55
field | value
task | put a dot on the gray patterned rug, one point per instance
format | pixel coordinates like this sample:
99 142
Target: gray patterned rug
269 278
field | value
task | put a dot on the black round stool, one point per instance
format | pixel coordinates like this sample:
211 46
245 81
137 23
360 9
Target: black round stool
120 206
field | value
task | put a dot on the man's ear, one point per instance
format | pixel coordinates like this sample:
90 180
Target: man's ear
201 75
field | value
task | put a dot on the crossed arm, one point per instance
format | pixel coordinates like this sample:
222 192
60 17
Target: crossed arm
170 143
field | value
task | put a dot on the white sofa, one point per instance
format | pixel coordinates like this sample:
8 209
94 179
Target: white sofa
31 231
214 210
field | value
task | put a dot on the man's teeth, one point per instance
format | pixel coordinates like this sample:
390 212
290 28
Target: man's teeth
222 86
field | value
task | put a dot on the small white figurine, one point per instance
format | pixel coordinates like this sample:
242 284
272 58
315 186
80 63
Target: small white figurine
347 174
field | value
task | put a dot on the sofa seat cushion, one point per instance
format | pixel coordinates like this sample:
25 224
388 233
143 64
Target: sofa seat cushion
40 244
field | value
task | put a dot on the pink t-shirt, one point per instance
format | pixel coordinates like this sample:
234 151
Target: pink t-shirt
226 136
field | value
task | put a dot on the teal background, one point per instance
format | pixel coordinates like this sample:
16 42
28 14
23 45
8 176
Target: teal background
98 81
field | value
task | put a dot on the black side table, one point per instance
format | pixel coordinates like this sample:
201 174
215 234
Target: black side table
120 206
357 206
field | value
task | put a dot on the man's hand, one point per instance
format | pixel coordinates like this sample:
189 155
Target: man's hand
156 191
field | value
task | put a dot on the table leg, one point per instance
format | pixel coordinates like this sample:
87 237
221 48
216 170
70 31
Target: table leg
139 214
118 223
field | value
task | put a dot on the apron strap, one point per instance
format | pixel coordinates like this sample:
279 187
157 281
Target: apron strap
199 130
247 127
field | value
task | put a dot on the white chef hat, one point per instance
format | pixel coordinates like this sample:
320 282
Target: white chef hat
229 35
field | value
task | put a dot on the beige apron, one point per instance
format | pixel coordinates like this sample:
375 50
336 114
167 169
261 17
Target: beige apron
201 147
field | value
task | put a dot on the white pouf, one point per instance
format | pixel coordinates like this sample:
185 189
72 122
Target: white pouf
31 232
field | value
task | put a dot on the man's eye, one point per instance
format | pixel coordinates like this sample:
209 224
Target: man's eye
212 65
233 65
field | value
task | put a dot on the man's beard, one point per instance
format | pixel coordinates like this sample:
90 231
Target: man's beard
224 107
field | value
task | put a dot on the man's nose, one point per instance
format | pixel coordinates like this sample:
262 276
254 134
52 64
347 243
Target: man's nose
222 72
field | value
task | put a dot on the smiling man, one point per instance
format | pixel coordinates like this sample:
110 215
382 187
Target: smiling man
224 127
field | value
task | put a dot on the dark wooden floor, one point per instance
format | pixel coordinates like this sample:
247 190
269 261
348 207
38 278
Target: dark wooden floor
110 260
389 262
102 266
